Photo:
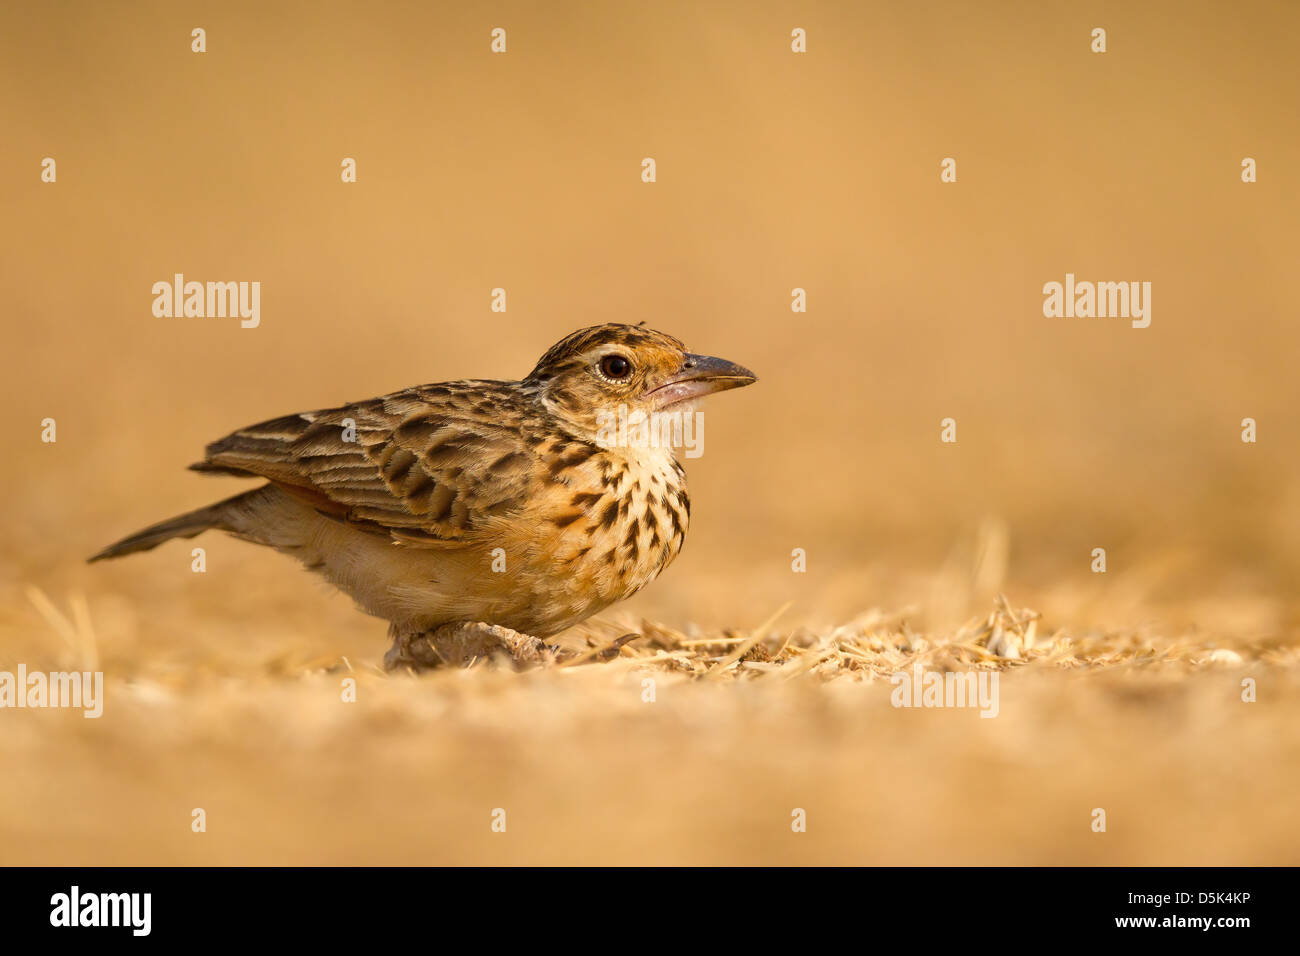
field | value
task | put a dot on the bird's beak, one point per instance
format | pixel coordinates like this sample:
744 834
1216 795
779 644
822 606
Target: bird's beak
700 375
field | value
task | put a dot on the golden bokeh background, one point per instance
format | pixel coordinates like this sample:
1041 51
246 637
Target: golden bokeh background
774 171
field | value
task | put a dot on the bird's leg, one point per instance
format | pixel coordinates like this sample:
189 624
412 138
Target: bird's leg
461 644
412 649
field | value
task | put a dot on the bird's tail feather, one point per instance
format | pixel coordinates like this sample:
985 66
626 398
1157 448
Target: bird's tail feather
182 526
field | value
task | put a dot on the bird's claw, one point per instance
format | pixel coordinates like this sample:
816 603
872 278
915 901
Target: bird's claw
465 643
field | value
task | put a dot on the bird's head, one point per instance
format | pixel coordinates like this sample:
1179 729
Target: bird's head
598 369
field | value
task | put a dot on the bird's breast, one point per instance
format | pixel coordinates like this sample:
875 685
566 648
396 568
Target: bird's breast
612 524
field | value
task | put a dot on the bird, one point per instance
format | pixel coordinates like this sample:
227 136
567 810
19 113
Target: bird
478 517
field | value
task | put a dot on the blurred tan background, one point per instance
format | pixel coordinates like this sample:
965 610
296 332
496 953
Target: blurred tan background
775 171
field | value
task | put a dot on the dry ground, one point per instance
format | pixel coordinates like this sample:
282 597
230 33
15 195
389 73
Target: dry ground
247 721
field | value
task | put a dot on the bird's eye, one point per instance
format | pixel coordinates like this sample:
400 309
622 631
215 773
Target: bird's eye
615 366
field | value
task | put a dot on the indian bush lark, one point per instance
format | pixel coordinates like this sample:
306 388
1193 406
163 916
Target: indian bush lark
475 515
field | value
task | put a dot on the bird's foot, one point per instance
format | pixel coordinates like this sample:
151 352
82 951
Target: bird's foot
602 654
460 645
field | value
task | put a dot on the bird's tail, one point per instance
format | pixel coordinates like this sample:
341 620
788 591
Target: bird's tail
183 526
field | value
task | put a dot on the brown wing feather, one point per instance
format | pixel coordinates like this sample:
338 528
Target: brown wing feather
429 466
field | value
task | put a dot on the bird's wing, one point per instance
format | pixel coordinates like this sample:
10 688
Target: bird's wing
431 466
